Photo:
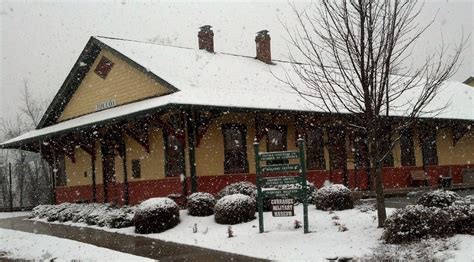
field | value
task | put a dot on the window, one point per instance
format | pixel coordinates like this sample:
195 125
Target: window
386 148
174 154
428 146
276 141
103 67
315 149
406 147
337 147
60 178
235 148
361 150
136 171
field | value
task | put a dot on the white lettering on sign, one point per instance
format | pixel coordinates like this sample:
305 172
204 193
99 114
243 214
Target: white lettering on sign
105 104
283 207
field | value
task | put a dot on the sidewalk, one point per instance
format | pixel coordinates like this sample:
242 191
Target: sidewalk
137 245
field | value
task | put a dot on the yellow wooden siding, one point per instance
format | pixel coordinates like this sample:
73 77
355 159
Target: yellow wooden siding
152 165
124 84
460 154
75 171
210 153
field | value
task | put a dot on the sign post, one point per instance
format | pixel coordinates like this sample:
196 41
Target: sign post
282 200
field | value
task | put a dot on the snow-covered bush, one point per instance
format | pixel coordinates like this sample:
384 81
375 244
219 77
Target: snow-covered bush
333 197
245 188
54 213
92 214
96 216
201 204
415 222
156 215
42 211
438 198
68 212
462 216
234 209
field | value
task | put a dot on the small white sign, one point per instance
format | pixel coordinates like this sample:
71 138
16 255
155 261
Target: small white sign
105 104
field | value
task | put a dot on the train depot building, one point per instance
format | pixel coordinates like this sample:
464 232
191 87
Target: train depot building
135 120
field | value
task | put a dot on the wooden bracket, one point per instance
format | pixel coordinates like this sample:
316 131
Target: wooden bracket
140 133
459 130
203 121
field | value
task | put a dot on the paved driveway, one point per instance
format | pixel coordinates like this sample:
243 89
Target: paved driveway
137 245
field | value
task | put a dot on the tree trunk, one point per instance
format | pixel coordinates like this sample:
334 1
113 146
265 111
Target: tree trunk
376 178
381 213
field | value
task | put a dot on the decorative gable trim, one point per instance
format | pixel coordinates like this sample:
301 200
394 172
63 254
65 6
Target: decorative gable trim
82 66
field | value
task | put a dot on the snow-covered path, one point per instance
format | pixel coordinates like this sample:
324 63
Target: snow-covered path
21 245
14 214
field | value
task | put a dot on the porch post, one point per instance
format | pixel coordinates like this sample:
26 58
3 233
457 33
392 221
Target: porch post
94 190
123 148
190 124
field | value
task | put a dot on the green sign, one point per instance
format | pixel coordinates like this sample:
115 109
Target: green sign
278 155
281 168
282 193
283 180
281 209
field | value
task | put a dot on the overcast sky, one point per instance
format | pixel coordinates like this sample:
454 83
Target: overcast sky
40 41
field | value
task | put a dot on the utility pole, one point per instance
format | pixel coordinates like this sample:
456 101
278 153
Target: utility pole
10 179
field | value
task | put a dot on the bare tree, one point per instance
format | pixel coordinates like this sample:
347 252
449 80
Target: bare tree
352 57
30 173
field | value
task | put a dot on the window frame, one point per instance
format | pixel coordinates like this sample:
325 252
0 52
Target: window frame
407 142
166 134
320 163
136 168
284 130
243 129
104 67
432 160
333 147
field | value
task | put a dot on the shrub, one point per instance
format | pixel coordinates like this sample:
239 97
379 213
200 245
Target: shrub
68 212
201 204
234 209
462 216
118 217
156 215
438 198
244 188
42 211
333 197
55 211
95 217
415 222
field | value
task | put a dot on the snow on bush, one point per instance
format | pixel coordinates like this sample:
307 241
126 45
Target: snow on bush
156 215
333 197
462 216
245 188
234 209
92 214
438 198
415 222
201 204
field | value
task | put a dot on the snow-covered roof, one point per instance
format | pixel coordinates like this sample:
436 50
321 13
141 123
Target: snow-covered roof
226 80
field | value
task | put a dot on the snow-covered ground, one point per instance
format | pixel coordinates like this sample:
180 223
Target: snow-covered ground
283 242
29 246
14 214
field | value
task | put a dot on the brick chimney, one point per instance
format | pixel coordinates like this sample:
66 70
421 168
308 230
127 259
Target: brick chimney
264 53
206 38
